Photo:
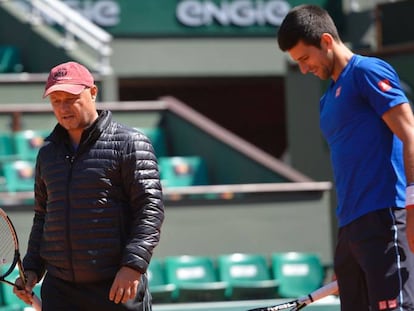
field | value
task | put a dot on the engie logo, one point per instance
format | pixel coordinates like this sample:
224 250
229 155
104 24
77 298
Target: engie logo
242 13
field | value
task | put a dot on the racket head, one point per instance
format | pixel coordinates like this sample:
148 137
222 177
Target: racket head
9 246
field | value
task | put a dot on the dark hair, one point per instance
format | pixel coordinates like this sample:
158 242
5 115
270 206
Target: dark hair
305 23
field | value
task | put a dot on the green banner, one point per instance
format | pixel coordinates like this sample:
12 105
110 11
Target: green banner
188 18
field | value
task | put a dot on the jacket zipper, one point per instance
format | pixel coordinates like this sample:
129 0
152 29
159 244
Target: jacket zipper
71 159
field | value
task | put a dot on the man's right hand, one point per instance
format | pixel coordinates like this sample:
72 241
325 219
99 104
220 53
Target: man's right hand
25 293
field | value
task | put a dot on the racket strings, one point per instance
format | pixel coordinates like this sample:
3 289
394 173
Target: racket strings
7 247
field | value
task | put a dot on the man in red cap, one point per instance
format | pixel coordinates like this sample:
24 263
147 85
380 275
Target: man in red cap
98 205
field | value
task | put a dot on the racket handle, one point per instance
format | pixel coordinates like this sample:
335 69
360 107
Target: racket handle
328 289
36 303
324 291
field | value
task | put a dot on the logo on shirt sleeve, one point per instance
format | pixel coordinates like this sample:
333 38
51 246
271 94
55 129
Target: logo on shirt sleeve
384 85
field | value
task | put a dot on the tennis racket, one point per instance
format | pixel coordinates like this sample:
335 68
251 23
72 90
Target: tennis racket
302 302
10 255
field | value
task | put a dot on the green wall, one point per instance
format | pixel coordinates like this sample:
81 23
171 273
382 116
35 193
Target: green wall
255 223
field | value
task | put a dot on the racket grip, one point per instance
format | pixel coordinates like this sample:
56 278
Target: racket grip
324 291
36 303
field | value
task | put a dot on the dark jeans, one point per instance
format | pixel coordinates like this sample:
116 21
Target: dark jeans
66 296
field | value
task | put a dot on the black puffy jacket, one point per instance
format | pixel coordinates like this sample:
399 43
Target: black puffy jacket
97 208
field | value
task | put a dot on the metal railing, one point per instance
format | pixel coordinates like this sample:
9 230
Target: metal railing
75 27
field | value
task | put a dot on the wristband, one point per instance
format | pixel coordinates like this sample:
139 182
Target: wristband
409 196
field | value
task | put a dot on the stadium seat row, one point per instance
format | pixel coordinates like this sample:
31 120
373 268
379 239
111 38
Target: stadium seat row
18 151
234 277
228 277
18 175
26 143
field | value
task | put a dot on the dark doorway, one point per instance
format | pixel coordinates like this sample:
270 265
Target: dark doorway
252 108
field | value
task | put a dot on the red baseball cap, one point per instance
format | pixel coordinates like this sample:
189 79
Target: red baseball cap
69 77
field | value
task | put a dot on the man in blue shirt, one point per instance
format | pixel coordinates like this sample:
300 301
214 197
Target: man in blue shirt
369 126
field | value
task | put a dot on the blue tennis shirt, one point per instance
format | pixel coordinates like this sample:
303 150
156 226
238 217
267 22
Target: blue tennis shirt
367 158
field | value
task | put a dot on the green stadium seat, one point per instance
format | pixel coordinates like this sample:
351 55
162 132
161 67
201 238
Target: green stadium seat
183 171
298 273
248 276
10 59
195 277
19 175
158 140
28 143
7 151
161 291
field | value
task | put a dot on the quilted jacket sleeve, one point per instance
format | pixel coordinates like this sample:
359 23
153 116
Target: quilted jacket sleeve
32 261
143 189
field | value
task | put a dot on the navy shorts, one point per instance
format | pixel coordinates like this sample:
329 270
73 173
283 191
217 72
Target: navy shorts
373 263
